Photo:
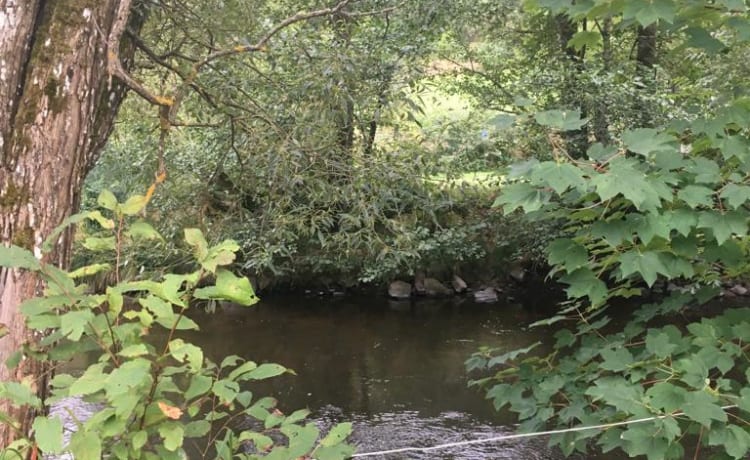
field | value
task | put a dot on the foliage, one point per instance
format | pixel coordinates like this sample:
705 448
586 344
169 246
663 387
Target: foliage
155 392
665 204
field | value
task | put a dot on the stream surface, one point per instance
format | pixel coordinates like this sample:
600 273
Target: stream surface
393 368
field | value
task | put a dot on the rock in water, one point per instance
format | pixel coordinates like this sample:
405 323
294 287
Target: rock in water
518 273
488 295
419 287
739 290
399 290
459 285
435 288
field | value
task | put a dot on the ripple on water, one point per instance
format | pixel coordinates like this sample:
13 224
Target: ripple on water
395 430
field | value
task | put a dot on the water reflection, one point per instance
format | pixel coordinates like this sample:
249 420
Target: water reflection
393 368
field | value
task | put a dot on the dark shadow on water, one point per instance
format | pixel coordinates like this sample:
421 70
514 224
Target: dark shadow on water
393 368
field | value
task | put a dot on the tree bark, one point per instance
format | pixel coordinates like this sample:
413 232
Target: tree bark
600 108
58 108
646 59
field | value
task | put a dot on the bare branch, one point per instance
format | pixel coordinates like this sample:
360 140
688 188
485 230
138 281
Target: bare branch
114 65
261 44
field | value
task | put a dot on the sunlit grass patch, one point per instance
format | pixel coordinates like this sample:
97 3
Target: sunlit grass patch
478 179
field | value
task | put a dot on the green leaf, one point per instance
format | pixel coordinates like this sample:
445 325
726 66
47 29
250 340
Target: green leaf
197 429
133 205
229 287
99 244
616 360
699 37
336 452
584 283
666 397
640 440
614 232
172 433
702 407
162 310
90 382
618 392
521 195
696 195
186 352
624 179
107 200
194 237
139 439
337 435
130 376
583 39
261 441
297 416
658 343
647 264
567 253
85 445
20 393
242 369
646 141
89 270
564 120
734 5
226 390
220 255
723 225
558 176
75 322
734 439
199 385
265 371
736 195
706 171
133 351
142 230
15 257
598 152
682 220
301 438
649 226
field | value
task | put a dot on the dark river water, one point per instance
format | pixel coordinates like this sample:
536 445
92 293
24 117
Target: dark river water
394 369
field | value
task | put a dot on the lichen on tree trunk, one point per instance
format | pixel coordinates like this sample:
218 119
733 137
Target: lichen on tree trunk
58 108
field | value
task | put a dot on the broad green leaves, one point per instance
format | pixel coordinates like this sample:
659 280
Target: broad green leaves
15 257
135 380
563 120
229 287
660 204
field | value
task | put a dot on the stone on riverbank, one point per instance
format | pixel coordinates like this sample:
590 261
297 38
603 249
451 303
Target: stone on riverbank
399 290
434 288
459 285
487 295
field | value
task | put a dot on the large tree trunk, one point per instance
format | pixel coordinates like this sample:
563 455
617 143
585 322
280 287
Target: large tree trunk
57 107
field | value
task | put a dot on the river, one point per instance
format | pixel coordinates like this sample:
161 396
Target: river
394 368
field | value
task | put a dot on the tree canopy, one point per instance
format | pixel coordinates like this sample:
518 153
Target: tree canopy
317 143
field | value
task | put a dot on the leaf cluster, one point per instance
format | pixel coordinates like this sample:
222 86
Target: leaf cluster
155 392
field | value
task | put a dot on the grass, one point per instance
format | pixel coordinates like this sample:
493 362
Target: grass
477 179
